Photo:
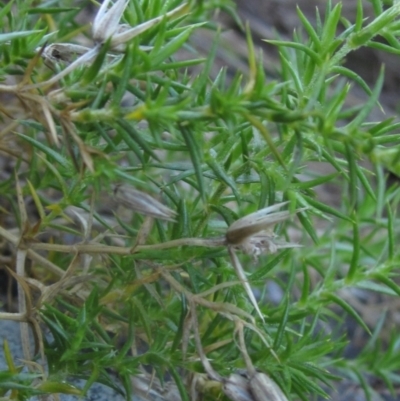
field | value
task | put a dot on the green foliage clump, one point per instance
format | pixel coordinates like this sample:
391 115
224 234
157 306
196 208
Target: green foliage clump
129 118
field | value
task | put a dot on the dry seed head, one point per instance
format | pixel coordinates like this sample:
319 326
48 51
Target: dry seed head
61 52
106 22
150 388
264 388
142 203
106 26
254 233
262 220
236 388
259 387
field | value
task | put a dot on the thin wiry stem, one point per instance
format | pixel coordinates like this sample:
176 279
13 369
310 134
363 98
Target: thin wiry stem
101 248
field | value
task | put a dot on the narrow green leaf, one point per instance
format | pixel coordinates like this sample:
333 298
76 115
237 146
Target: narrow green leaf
184 221
195 155
391 233
365 182
266 135
325 208
129 339
306 383
330 26
346 307
264 185
170 48
376 287
179 383
305 291
359 16
223 176
52 154
363 384
200 84
384 47
356 251
127 63
282 325
379 23
369 105
8 357
353 181
6 9
309 28
36 199
50 10
145 320
5 37
391 39
330 273
56 330
92 72
104 134
308 226
294 73
130 178
388 282
176 65
377 6
181 324
227 214
262 272
298 46
338 69
302 185
129 131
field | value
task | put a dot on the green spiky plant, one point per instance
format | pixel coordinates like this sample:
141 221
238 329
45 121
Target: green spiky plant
153 298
